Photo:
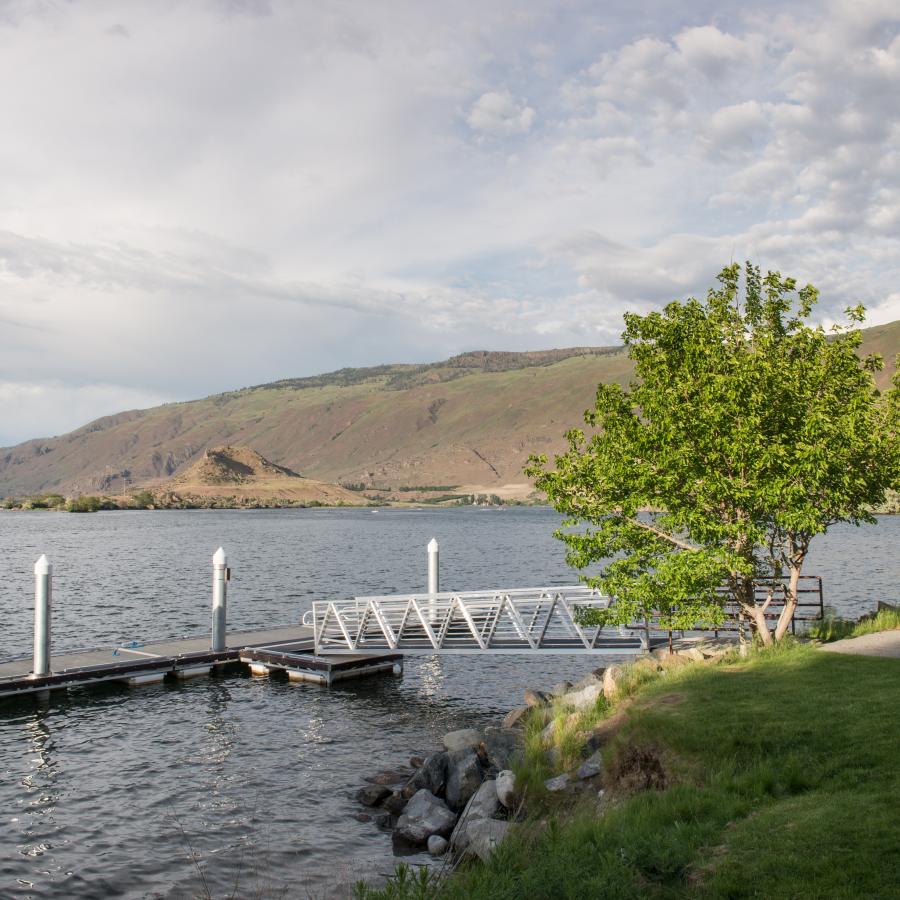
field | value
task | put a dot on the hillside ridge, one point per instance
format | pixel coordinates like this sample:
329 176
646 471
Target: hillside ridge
470 421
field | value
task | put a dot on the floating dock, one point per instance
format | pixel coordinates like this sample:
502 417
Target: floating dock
288 648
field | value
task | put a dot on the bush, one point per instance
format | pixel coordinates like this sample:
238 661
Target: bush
84 504
142 500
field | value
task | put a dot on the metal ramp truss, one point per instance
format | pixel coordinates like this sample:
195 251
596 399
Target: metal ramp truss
501 621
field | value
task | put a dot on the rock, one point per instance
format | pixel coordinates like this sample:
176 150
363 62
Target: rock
586 697
372 794
514 716
437 846
502 745
486 836
887 607
395 803
485 803
390 777
384 820
535 698
462 739
362 817
594 677
464 776
604 731
557 784
562 688
610 682
692 653
424 816
505 786
591 767
416 762
432 776
548 733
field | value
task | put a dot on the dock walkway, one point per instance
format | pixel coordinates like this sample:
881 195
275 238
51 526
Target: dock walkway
288 648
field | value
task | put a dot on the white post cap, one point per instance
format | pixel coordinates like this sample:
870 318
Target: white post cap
42 566
219 558
432 545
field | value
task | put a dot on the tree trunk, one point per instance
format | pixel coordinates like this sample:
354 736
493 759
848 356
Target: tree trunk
756 614
790 600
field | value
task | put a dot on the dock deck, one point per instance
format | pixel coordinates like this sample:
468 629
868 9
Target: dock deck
288 648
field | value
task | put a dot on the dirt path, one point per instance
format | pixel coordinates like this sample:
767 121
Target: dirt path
884 643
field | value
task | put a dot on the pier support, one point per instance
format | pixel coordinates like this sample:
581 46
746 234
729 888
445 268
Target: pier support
219 601
43 600
434 577
192 672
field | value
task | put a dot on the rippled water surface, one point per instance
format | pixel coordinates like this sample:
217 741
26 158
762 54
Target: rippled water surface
108 791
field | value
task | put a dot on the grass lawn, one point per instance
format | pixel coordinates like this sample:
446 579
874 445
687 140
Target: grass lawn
783 781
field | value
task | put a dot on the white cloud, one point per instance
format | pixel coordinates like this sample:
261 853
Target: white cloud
499 113
198 197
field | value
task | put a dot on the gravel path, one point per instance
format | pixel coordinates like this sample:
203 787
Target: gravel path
884 643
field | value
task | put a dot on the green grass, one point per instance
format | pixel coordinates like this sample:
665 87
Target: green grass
833 629
783 776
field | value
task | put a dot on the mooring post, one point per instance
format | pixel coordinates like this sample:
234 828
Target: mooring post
43 599
434 578
220 579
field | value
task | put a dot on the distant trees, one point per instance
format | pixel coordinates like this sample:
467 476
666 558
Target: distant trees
746 433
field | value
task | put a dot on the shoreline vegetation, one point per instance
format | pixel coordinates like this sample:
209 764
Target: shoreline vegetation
716 771
147 500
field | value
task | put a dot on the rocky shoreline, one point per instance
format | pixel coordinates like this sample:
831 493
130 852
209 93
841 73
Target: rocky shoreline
462 799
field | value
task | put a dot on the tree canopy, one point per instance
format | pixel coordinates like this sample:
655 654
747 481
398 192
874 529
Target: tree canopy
746 432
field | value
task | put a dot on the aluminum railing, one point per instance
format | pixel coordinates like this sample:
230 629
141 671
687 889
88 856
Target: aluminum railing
499 621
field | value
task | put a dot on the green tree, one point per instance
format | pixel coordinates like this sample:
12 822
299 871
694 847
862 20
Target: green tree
746 433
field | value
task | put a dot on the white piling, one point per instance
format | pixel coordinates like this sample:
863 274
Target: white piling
43 600
434 554
219 600
434 579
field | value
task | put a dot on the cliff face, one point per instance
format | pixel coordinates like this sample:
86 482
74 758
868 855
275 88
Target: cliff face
467 422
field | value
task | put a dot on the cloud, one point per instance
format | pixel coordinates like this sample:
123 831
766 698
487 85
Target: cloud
498 113
202 196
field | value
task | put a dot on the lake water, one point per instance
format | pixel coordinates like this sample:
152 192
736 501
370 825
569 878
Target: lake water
107 791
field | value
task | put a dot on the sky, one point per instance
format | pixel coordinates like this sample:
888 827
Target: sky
200 196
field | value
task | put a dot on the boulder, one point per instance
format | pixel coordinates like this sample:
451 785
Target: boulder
387 778
502 745
557 784
505 786
585 697
610 682
395 804
464 775
384 820
548 733
432 776
437 845
593 677
416 762
603 732
462 739
591 767
424 816
514 717
485 803
535 698
362 817
563 687
372 794
486 836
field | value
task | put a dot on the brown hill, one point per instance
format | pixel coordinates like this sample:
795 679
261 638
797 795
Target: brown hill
241 474
468 423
